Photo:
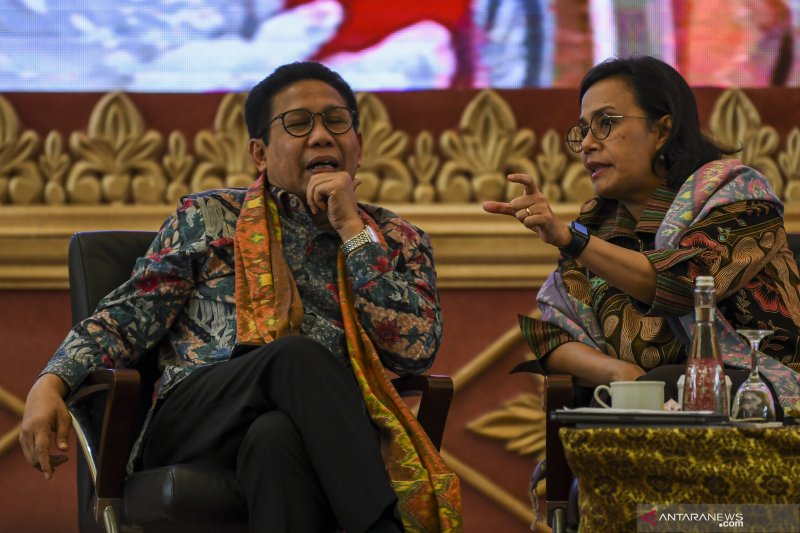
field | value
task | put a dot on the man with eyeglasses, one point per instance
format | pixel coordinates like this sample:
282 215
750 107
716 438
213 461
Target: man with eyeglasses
275 310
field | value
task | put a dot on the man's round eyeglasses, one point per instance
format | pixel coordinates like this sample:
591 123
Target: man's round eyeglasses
600 128
300 122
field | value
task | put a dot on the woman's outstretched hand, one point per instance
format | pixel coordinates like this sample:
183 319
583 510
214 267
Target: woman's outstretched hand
533 210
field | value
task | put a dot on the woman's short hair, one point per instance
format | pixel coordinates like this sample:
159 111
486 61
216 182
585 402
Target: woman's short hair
258 106
660 90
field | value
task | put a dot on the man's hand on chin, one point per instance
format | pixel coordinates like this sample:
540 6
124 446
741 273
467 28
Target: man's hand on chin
333 194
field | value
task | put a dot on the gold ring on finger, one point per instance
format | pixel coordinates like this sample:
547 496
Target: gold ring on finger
528 210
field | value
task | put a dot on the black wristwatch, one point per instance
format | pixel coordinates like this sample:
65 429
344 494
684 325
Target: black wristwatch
580 238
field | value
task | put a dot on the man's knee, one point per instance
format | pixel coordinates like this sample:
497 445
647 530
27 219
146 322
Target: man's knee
272 433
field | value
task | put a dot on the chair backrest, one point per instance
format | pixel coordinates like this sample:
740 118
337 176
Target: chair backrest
99 262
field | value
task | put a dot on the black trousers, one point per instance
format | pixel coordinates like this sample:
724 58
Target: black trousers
289 419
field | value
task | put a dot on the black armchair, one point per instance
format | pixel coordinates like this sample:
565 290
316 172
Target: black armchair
108 411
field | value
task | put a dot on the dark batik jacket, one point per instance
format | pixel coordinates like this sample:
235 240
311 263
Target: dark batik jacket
740 240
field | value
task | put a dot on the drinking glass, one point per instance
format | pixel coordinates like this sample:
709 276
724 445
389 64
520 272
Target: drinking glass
753 401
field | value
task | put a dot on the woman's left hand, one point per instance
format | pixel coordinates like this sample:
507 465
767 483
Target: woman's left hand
533 210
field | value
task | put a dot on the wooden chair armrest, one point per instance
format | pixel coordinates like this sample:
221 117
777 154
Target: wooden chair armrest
121 388
558 394
434 405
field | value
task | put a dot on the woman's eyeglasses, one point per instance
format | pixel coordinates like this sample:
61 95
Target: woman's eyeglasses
600 128
300 122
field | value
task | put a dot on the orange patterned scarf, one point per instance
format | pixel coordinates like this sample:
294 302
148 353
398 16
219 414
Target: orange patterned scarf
268 306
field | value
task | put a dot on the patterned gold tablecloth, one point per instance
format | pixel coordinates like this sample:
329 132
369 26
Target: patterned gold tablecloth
619 468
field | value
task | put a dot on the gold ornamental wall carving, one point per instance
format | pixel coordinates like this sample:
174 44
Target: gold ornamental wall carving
118 160
120 173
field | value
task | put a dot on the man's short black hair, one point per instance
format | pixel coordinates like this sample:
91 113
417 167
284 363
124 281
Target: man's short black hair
258 106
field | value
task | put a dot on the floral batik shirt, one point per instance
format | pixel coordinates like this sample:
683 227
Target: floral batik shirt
180 299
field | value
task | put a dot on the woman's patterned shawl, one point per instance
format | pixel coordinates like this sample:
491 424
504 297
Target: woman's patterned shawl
713 185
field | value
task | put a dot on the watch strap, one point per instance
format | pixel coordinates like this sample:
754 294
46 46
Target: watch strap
362 238
580 238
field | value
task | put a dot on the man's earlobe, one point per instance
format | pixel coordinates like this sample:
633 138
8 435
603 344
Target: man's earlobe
258 153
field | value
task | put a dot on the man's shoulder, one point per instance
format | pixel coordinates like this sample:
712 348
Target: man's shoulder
211 213
381 215
392 225
230 197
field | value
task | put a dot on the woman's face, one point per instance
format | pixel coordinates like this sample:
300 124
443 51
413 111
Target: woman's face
620 164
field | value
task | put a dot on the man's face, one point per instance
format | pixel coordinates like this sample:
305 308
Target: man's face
289 162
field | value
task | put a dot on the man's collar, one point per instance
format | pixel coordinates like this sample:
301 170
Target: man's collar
287 202
291 206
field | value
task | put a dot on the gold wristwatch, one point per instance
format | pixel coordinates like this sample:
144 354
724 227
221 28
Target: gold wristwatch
362 238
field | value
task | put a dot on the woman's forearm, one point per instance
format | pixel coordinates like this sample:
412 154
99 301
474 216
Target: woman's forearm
627 270
588 366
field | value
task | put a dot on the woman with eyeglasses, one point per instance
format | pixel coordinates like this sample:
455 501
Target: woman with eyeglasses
669 206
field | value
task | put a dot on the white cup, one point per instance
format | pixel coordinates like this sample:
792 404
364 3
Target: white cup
633 395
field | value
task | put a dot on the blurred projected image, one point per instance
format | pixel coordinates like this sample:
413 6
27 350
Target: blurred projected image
224 45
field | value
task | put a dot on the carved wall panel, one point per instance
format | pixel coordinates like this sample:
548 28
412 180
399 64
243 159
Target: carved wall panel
119 172
119 160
